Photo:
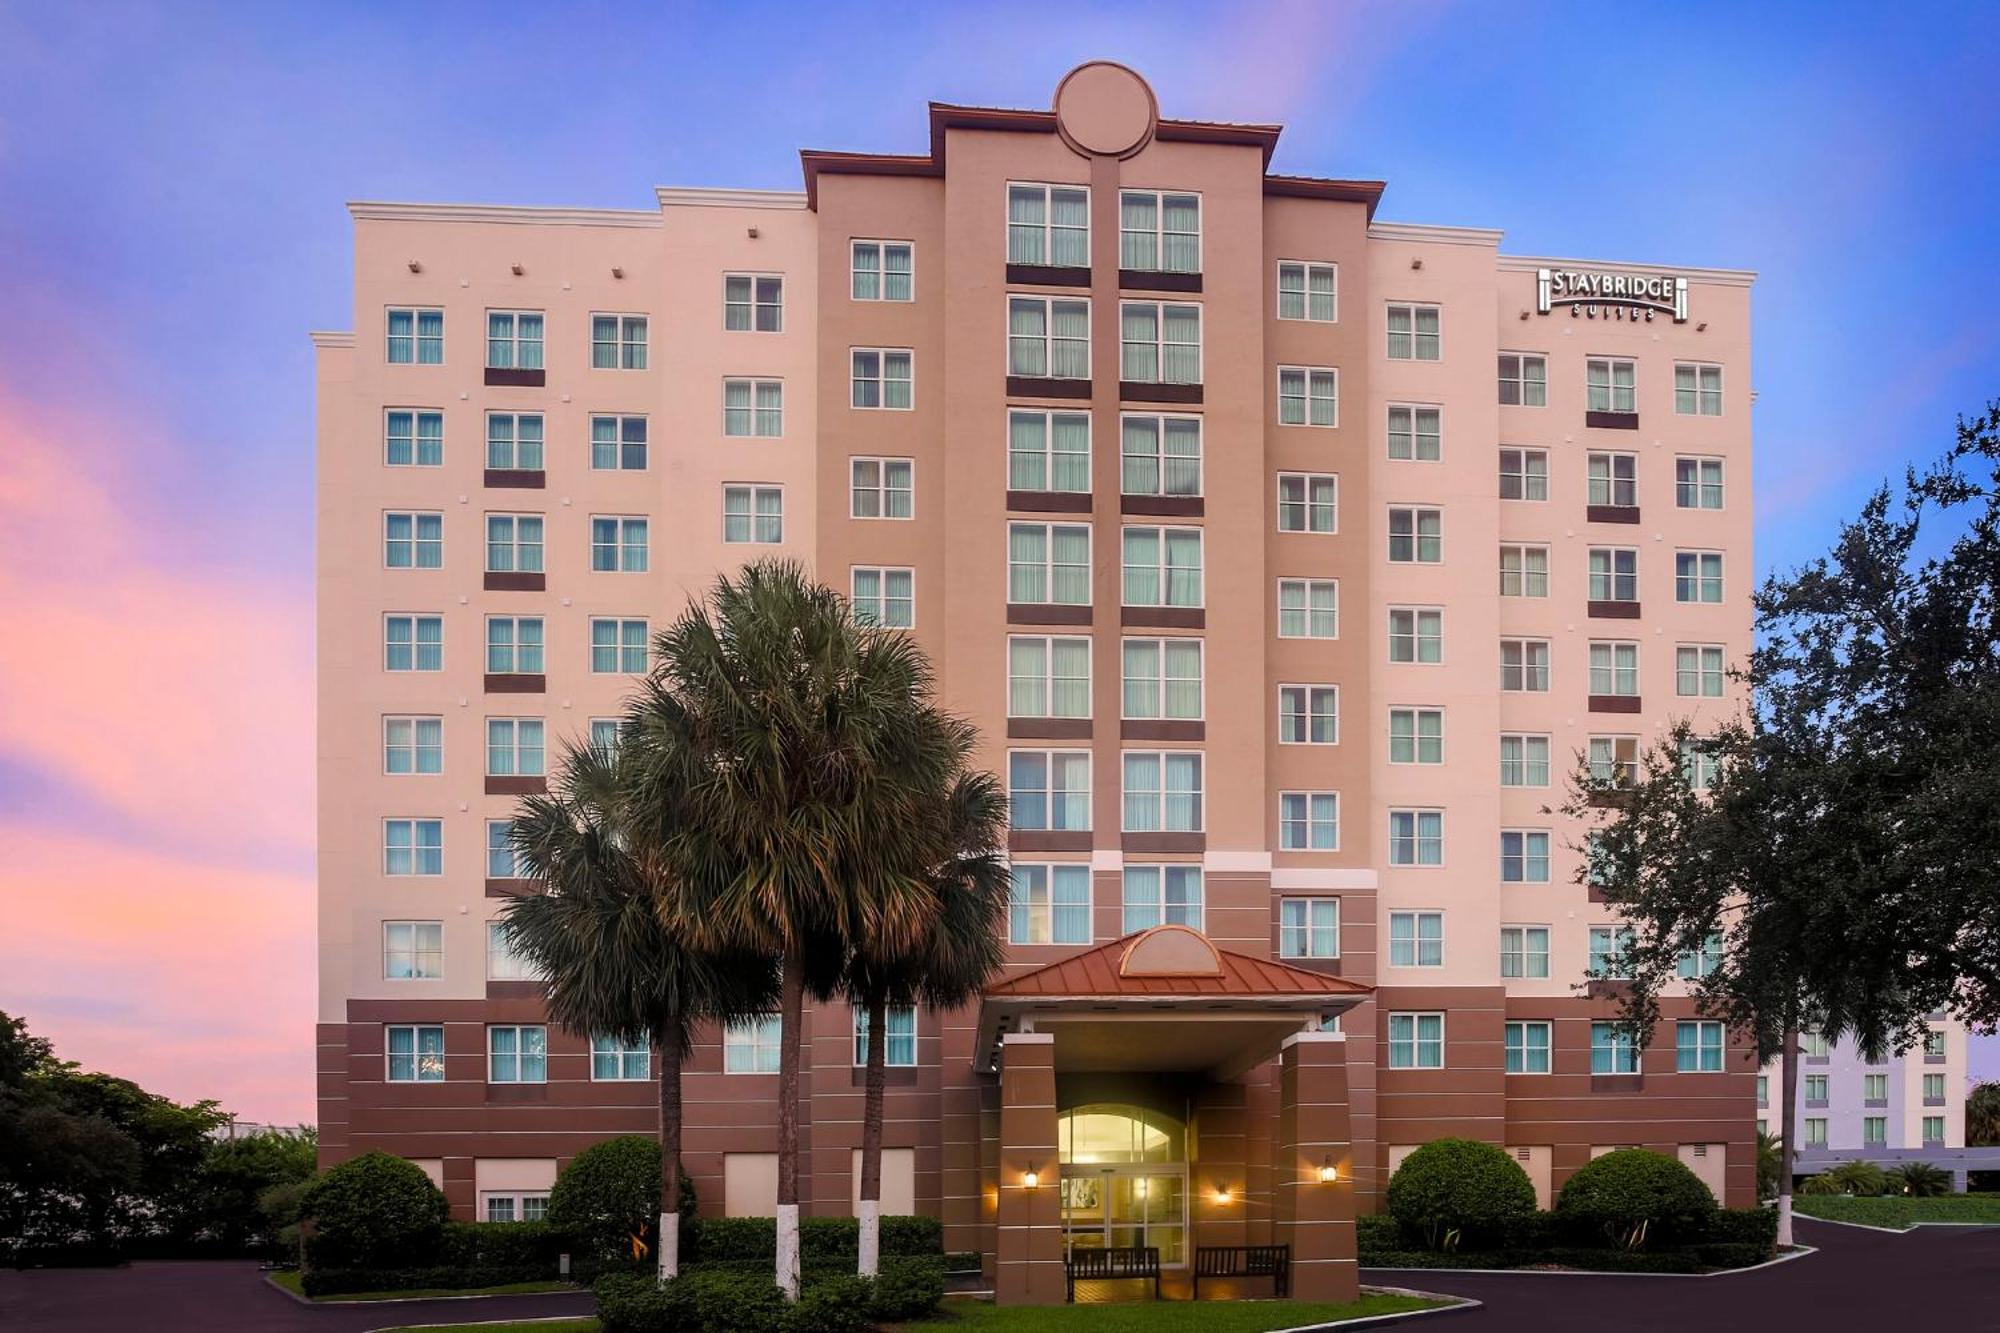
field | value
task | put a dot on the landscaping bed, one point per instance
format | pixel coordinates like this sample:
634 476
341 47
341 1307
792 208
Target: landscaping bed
1898 1213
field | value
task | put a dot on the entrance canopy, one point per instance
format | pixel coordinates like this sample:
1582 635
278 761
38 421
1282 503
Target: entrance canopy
1165 1001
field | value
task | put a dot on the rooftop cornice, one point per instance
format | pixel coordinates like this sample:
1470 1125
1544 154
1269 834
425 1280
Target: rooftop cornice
698 196
1420 231
1714 277
504 214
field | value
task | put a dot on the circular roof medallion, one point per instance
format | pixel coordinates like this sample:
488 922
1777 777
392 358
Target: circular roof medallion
1106 110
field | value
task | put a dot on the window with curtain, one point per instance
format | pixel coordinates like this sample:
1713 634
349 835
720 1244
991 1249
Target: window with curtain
1162 566
502 861
750 1046
753 407
1614 759
1161 342
413 643
1308 714
1048 790
616 1061
1607 951
412 745
1309 821
753 302
884 271
1610 385
1524 474
883 378
1049 904
899 1036
1416 634
1308 396
1614 479
416 337
1414 333
753 514
1416 939
1416 735
1308 608
1048 224
1697 963
1162 895
1308 502
1416 434
1416 1041
1612 1049
1614 574
1048 451
1048 676
1163 792
1614 668
1524 856
617 444
1307 291
514 645
881 488
885 596
412 847
618 342
1162 678
1524 665
514 543
1048 563
617 646
1416 535
412 541
414 439
1524 571
1527 1047
1159 232
1416 837
504 961
514 747
1698 576
412 950
514 441
1524 951
1048 338
415 1053
1309 927
514 339
1698 670
618 545
1524 761
1698 483
1161 454
1524 380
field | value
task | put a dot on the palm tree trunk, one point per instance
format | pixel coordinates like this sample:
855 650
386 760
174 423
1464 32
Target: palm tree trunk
791 1004
1788 1122
670 1158
876 1087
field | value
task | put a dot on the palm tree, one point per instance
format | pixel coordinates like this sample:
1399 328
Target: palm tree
791 741
1982 1116
617 964
950 965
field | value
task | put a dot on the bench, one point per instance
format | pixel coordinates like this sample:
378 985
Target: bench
1271 1261
1111 1264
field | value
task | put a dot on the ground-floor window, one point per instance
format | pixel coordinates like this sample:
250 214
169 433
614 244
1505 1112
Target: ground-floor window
513 1207
1124 1179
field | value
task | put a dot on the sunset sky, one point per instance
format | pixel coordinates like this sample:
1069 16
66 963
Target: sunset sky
172 222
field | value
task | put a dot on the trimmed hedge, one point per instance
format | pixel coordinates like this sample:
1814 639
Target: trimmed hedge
709 1300
1458 1192
374 1211
468 1254
1634 1197
745 1238
1732 1238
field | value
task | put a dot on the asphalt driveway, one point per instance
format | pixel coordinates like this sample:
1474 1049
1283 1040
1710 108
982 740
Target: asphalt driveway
1928 1278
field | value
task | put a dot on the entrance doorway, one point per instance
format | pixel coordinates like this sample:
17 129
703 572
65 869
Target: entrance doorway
1124 1180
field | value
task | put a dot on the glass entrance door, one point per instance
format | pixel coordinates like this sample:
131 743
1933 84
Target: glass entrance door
1124 1206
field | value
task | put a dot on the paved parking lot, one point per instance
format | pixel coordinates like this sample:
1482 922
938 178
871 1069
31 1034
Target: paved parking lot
1929 1278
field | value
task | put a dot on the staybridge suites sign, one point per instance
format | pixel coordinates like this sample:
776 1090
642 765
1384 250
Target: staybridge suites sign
1597 295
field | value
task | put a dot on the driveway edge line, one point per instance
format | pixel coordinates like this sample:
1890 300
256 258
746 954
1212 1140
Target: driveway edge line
1455 1305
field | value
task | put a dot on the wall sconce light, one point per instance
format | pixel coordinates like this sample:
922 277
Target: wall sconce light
517 270
415 267
617 272
1222 1194
1328 1172
1030 1178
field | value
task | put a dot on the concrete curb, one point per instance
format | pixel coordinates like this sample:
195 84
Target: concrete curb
1452 1305
1798 1252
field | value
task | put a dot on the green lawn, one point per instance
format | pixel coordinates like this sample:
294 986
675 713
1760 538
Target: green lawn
1159 1316
1898 1212
290 1282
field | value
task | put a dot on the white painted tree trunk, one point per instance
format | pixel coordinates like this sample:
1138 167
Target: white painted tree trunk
1788 1124
788 1249
670 1246
871 1236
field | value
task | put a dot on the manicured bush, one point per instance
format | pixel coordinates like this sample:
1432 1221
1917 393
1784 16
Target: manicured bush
610 1192
831 1305
911 1234
1458 1192
705 1302
374 1211
824 1237
963 1261
1636 1199
739 1239
736 1238
1745 1226
1377 1233
906 1287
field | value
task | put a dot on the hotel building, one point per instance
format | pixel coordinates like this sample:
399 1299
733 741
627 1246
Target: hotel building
1286 558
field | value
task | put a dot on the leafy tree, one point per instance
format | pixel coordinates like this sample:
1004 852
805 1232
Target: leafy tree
609 1194
234 1177
374 1211
1634 1195
796 750
1847 852
1767 1166
611 941
1450 1190
1982 1116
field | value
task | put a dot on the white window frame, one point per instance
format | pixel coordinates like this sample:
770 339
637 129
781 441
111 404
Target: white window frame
1047 225
1520 379
1307 697
1416 635
1052 796
619 443
1521 947
881 490
1701 580
418 1069
1618 580
1703 394
752 415
1415 1041
1516 1039
622 344
413 847
1612 648
520 1054
1048 453
1162 570
1528 669
757 1039
1613 392
1304 292
1415 838
1527 856
882 381
1159 343
1311 379
1408 941
1416 436
1701 485
1704 1030
754 305
1307 507
880 272
1700 670
415 337
1525 456
1047 564
416 439
1159 457
1306 588
620 647
514 342
1311 799
392 744
1048 335
875 609
621 548
1527 764
1022 909
1047 680
1160 681
415 542
1525 579
891 1037
621 1052
515 552
1312 934
422 950
1157 797
1606 946
1414 736
1611 483
1416 537
416 621
519 655
753 491
1413 333
1154 904
1159 232
503 845
519 756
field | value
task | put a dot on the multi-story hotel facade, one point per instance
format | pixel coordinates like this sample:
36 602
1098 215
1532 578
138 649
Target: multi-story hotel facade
1286 558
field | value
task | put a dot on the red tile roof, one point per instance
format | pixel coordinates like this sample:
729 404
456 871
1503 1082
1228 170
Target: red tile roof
1099 971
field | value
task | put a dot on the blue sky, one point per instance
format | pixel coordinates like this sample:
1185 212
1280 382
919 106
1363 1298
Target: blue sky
172 181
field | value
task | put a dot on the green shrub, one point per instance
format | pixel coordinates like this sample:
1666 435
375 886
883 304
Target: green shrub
831 1305
374 1211
1454 1192
1745 1226
1861 1179
824 1237
1635 1197
728 1238
1919 1180
637 1303
1820 1184
963 1261
739 1239
609 1193
907 1287
912 1234
1377 1233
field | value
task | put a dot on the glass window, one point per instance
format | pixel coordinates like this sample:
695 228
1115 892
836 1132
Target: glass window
1933 1130
517 1054
1697 389
615 1061
1048 789
1698 1048
1308 715
1524 761
883 377
753 302
1607 951
884 271
1416 536
618 545
413 541
1416 434
1309 821
618 342
1048 563
1049 904
1524 665
1416 837
1524 474
1159 232
617 444
617 646
1050 451
885 596
1416 939
1160 455
1524 952
1614 574
751 1045
605 733
753 407
1698 576
1700 766
1524 379
1609 385
415 1053
1160 342
1413 333
1048 338
413 643
1815 1088
412 745
514 339
413 439
1416 635
1527 1048
1163 792
881 488
1874 1130
753 514
1162 566
1416 736
1698 670
1416 1041
1308 291
502 860
412 950
416 337
1524 856
899 1037
513 543
1816 1131
1308 609
1309 927
1048 676
1308 396
1698 483
514 645
1524 571
1162 679
1612 1049
1308 502
1614 479
1048 225
412 847
514 441
1614 668
514 747
1162 895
